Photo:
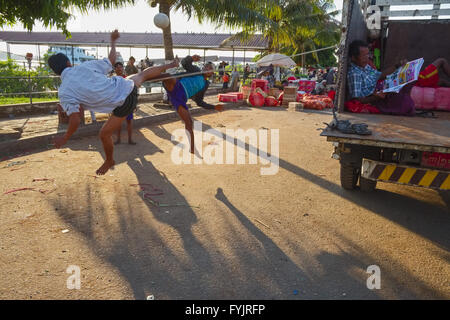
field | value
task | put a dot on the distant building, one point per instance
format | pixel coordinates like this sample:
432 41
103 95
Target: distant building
76 55
4 56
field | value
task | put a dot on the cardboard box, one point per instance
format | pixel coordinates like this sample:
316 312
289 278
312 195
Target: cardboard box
290 90
274 92
295 106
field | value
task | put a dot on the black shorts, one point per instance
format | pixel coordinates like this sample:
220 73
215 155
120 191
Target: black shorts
128 106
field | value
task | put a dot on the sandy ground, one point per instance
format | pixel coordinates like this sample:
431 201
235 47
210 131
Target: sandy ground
292 235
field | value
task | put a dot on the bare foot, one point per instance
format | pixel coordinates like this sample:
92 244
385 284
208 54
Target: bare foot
117 142
175 63
132 142
105 167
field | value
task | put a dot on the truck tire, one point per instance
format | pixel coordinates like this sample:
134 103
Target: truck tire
367 185
349 176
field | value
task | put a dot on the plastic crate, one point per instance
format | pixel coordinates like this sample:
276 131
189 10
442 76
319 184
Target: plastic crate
228 98
239 95
260 83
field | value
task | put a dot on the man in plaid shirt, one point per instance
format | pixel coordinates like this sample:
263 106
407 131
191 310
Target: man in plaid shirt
362 80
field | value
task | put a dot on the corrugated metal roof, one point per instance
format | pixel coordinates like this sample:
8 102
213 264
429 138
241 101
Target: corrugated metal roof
151 40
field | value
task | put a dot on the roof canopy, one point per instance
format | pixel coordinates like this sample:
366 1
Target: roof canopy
138 40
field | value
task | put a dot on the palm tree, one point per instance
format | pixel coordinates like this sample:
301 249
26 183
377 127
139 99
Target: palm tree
246 14
302 25
50 12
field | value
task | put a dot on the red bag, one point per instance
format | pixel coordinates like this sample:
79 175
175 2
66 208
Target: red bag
358 107
271 101
280 98
256 99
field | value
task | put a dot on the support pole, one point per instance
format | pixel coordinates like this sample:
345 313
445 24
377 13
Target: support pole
232 62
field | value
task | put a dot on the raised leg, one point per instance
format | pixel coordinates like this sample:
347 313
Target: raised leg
152 72
443 64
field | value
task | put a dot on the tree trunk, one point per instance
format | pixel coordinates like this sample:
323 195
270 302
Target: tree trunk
164 7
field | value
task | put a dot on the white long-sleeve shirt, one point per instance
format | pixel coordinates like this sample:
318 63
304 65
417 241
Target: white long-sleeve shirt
87 84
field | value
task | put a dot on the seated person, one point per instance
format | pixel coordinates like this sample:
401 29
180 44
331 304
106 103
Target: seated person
362 80
321 88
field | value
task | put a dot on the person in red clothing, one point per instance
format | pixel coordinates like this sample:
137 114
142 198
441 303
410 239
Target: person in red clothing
226 80
119 71
430 76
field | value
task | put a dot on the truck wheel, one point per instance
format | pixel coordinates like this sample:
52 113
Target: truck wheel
349 176
367 185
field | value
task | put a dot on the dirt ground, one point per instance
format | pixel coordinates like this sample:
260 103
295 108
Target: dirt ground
235 234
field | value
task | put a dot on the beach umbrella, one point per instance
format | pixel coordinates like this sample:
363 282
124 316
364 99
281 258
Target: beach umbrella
277 60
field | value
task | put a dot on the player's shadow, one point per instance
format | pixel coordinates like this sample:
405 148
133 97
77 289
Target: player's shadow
123 151
428 220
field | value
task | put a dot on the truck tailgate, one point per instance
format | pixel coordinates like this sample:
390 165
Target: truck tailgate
415 133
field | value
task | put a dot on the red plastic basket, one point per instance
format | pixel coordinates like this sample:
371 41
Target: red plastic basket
228 98
239 95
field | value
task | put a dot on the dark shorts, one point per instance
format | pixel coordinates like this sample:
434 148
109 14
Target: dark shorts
128 107
177 96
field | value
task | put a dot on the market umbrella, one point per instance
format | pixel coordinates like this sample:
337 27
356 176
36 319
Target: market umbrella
277 60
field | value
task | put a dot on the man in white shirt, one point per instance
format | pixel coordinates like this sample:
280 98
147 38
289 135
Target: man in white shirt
88 85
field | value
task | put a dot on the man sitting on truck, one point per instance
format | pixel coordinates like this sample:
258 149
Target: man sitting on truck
362 80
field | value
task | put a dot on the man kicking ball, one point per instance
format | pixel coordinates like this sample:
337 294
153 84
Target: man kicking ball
88 85
193 87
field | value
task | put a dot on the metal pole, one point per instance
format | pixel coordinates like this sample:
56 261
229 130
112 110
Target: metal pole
29 87
232 62
8 51
204 55
39 54
244 57
73 59
146 52
97 52
29 82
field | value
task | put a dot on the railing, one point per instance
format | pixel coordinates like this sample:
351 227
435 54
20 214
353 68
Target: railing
26 87
409 12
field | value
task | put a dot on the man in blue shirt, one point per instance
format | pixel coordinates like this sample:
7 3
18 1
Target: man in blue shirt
192 87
